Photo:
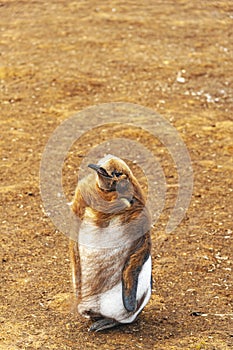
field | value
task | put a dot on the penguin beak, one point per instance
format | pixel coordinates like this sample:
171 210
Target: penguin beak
101 171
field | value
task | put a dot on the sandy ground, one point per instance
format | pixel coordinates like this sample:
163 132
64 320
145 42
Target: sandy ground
175 57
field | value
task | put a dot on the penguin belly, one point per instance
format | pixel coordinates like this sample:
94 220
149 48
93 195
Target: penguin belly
106 265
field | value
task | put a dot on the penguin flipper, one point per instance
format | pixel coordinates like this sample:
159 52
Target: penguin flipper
131 271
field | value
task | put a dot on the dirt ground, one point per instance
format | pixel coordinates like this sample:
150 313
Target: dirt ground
173 56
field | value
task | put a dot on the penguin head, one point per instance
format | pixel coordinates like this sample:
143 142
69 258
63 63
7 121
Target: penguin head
113 174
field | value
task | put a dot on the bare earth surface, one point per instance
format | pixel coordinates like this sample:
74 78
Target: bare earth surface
173 56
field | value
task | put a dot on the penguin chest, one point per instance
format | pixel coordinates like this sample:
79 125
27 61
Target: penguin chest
93 236
102 257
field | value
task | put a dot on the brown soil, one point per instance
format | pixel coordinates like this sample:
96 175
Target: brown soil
58 57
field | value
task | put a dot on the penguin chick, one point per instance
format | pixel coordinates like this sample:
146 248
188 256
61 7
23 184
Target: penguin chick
111 258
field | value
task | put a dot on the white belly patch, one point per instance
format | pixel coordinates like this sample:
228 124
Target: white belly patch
111 303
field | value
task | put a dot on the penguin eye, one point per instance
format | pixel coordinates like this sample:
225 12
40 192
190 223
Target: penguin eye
115 173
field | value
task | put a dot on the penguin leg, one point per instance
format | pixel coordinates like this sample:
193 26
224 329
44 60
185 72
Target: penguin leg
103 324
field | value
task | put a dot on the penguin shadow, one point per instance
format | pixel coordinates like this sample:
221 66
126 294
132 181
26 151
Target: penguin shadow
148 326
152 323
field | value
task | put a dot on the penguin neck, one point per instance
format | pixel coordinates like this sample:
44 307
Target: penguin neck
104 189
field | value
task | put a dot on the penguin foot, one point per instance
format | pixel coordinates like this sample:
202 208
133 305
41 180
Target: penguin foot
102 324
